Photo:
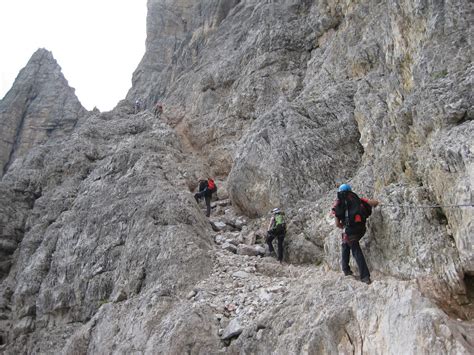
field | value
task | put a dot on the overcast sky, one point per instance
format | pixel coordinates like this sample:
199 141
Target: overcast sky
97 43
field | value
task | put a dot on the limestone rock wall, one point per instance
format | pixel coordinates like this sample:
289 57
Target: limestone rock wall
293 98
377 93
107 217
39 106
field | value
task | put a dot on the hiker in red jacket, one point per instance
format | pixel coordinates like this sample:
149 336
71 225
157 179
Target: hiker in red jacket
206 189
351 213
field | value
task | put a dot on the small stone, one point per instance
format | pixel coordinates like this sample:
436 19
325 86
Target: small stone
264 295
218 226
191 294
231 307
229 247
240 222
249 250
235 242
232 330
276 289
260 250
237 284
250 269
219 239
241 274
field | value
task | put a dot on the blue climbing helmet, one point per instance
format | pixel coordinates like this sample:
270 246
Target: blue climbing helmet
345 187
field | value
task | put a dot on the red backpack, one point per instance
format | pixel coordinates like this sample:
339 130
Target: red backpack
211 185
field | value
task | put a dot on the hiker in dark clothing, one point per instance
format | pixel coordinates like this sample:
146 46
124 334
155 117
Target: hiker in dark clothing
206 189
158 110
276 229
351 213
138 106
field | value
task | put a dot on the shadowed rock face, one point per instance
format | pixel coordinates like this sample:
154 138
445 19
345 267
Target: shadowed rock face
282 101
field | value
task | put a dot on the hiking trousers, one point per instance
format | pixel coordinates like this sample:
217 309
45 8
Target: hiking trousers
354 246
207 197
280 237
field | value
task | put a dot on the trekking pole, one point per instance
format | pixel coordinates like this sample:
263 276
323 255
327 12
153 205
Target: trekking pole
428 206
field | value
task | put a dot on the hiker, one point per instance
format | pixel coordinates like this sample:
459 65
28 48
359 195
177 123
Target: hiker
138 105
158 110
351 213
276 229
206 189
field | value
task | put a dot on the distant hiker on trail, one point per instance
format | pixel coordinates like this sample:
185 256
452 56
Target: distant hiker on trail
206 189
158 110
351 213
138 105
276 229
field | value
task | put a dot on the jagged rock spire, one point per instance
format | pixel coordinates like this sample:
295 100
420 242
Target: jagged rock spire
39 105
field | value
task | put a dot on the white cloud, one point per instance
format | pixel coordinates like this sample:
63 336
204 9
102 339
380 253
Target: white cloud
97 43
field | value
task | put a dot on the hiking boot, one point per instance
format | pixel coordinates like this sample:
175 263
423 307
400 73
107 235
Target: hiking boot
348 273
366 280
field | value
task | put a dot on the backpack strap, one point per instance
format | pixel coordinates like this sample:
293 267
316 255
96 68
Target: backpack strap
346 213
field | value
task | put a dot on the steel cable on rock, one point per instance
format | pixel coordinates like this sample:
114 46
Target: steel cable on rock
428 206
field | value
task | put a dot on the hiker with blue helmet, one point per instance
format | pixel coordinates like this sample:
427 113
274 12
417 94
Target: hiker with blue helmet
276 229
351 213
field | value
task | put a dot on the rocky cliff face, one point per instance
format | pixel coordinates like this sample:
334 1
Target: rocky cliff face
39 106
318 93
282 101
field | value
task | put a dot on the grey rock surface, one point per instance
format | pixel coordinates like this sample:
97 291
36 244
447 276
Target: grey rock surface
39 106
378 94
102 227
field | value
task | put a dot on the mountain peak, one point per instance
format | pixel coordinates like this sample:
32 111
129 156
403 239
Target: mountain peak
40 105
